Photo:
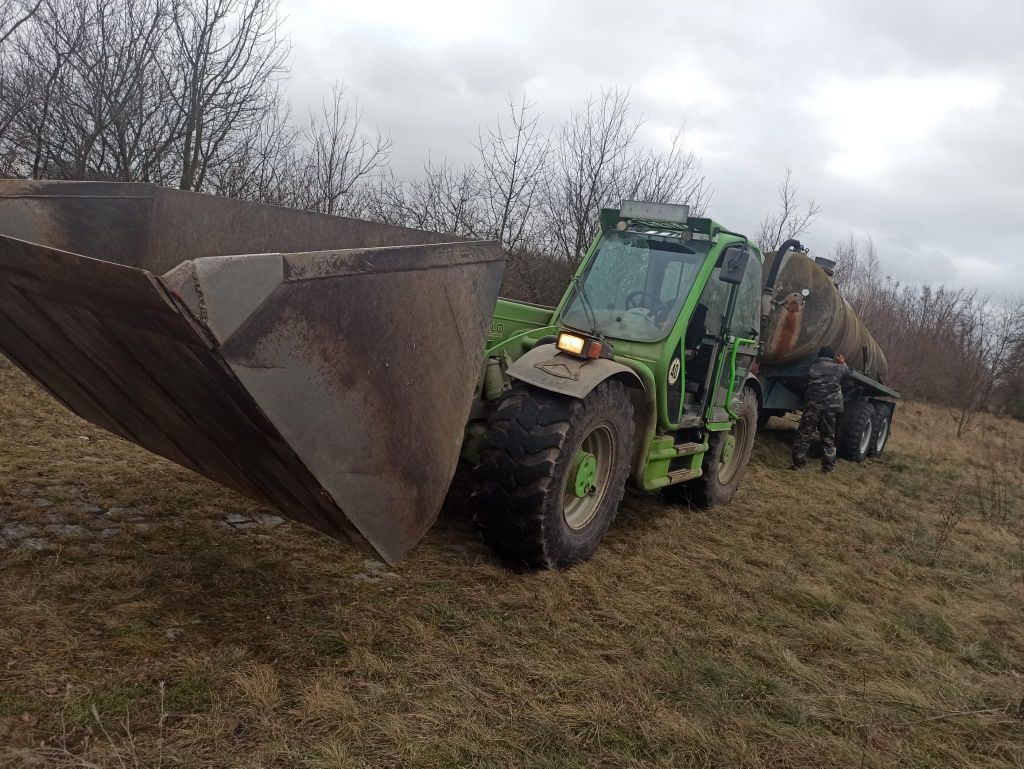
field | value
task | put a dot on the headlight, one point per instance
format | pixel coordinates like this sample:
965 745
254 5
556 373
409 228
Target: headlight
579 345
571 343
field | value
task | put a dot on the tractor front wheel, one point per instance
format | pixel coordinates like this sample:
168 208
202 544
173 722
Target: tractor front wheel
725 461
552 473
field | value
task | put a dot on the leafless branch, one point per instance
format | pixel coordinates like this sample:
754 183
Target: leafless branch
789 219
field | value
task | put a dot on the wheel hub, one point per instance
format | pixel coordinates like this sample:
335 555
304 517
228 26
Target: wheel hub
728 449
584 473
730 460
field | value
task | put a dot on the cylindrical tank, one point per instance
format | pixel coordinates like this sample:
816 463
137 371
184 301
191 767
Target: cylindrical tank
803 311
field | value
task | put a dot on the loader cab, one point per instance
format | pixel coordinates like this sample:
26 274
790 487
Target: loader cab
634 285
682 296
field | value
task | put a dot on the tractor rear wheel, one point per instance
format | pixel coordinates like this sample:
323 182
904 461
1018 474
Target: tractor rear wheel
552 473
883 426
725 461
855 430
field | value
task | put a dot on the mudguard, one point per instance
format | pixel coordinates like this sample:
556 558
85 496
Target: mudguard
549 369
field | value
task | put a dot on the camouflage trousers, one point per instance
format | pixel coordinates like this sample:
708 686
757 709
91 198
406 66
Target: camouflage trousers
816 418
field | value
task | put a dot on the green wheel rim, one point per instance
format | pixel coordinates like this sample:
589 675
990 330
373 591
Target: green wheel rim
729 461
728 448
589 473
584 473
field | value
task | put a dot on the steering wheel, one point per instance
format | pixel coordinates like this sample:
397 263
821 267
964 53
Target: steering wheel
633 300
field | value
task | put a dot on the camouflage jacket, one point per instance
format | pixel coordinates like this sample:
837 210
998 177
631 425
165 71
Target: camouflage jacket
824 384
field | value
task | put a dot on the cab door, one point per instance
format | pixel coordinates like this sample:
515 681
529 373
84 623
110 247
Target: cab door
738 342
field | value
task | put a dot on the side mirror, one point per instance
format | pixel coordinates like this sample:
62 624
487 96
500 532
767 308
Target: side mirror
734 265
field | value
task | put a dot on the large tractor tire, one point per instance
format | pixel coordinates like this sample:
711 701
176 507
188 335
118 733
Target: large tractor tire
855 430
882 430
552 473
725 462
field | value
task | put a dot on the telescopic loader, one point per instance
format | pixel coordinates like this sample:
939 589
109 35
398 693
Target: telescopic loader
337 369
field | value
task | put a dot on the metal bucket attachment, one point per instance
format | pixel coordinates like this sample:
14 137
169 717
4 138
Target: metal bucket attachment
332 384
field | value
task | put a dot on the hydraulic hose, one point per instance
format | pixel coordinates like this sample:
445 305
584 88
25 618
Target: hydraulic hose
773 274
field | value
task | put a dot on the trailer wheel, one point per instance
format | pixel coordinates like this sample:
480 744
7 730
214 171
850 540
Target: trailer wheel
883 427
552 473
856 427
725 462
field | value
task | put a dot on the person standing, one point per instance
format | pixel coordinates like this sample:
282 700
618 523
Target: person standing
823 401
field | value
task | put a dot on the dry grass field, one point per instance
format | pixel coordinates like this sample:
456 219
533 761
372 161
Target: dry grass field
872 618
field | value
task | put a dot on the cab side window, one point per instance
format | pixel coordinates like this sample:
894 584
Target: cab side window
715 297
747 317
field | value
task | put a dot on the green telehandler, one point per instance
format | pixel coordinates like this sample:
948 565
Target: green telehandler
642 374
337 369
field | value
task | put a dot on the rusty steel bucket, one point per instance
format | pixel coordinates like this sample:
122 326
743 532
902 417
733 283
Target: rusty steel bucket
333 385
806 312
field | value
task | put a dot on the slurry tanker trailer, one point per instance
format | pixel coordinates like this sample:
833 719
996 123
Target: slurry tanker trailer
337 369
802 312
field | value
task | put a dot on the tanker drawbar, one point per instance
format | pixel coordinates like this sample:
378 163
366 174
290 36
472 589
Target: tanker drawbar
321 365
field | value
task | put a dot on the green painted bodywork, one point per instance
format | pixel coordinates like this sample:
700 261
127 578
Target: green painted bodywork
516 327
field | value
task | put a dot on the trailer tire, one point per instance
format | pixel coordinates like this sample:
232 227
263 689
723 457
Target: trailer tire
538 449
856 428
882 430
720 479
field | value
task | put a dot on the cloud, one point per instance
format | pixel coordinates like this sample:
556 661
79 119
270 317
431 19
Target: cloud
876 122
903 120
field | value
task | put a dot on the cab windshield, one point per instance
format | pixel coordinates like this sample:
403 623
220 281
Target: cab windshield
636 284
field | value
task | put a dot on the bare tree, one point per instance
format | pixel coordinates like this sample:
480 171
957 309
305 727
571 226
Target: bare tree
673 176
383 199
227 55
101 116
789 219
590 155
512 175
999 332
267 166
340 155
596 162
153 90
445 199
91 100
14 13
38 81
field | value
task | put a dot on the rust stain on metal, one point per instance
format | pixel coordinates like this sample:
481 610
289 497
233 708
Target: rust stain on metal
788 330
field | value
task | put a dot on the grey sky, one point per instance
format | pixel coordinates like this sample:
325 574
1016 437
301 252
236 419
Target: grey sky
903 120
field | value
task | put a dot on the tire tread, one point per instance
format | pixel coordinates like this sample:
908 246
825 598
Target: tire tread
516 473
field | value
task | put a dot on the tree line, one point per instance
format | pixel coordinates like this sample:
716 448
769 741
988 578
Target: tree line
956 347
191 94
